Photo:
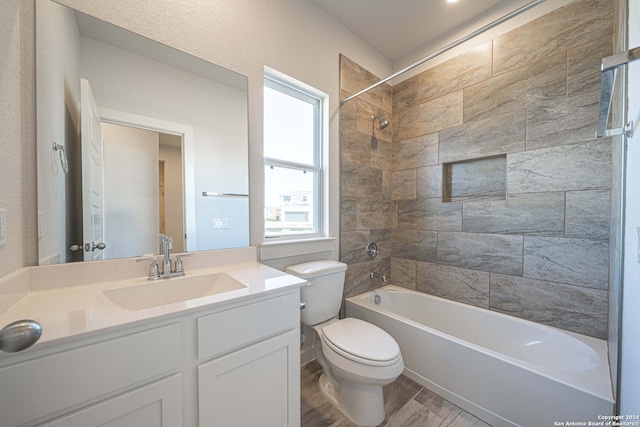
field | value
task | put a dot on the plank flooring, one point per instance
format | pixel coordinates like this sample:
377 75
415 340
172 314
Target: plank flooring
407 404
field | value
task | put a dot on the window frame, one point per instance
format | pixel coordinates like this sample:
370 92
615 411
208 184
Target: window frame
304 93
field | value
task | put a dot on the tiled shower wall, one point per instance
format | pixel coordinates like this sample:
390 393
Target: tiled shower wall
508 128
367 210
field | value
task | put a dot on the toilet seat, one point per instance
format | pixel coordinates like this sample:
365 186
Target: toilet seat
361 342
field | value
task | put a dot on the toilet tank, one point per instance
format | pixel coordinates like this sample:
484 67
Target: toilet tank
323 294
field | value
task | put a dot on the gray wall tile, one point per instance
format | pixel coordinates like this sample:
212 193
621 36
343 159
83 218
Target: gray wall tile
360 181
430 182
580 166
581 310
536 84
354 78
405 94
588 214
554 80
579 262
348 213
458 284
347 113
381 153
563 122
480 179
539 214
469 68
429 214
357 280
403 273
431 116
364 123
584 62
418 245
567 27
373 212
352 246
483 138
356 147
415 152
404 185
486 252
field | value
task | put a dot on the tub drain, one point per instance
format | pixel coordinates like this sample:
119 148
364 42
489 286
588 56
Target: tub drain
377 299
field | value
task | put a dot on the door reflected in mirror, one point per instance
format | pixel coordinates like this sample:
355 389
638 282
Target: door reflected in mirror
163 128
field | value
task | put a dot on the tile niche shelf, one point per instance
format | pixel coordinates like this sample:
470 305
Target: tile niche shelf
475 179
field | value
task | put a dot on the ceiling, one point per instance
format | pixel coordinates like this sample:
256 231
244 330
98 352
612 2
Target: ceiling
396 28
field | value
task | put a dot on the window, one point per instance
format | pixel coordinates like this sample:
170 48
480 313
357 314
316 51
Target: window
292 159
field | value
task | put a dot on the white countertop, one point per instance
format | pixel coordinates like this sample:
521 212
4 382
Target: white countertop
66 308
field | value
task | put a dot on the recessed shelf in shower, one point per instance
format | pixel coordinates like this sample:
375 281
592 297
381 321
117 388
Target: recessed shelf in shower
475 179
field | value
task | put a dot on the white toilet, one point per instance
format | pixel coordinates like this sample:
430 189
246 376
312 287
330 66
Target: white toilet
357 358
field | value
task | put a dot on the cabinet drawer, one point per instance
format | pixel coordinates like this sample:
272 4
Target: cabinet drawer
228 330
157 404
48 385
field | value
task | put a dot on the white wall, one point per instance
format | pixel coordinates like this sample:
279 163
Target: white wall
11 169
630 367
17 161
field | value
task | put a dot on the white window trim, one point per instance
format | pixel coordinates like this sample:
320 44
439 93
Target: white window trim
296 244
275 249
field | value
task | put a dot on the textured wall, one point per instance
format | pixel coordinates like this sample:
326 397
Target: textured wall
530 96
17 162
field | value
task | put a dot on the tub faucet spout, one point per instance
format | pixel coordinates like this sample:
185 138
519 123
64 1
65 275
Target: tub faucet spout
375 275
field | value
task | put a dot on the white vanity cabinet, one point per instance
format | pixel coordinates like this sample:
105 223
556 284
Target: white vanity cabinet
254 385
211 366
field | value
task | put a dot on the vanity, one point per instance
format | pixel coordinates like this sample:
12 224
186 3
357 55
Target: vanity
216 347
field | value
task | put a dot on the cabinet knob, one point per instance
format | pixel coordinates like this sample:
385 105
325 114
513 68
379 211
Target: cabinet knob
18 335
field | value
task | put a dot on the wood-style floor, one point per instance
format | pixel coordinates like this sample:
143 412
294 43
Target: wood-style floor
407 404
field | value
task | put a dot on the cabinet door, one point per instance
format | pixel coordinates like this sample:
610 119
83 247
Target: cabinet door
158 404
256 386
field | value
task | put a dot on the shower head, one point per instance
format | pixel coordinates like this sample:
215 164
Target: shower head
383 122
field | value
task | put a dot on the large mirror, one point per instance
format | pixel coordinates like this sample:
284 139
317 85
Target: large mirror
135 139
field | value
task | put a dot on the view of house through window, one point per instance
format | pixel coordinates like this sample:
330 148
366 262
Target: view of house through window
292 119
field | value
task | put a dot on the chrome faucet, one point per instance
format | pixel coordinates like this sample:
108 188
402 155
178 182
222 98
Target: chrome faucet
374 275
155 273
166 245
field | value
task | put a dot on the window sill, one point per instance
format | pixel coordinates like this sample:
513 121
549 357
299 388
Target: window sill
287 248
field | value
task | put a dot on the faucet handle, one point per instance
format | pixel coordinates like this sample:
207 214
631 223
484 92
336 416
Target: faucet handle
154 272
179 267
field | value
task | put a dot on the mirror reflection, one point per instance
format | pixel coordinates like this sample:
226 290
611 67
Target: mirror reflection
135 139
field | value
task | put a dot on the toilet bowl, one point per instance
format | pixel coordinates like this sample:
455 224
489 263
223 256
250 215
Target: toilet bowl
357 358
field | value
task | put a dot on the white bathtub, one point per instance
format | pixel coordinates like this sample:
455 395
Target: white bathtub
506 371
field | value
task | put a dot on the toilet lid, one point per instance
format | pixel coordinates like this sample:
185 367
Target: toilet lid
362 340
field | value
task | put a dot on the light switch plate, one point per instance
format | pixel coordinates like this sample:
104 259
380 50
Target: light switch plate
220 223
3 227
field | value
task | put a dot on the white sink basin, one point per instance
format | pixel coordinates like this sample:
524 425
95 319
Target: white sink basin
168 291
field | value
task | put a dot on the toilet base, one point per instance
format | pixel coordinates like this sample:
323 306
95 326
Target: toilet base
362 404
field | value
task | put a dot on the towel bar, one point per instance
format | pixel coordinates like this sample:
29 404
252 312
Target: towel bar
208 194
